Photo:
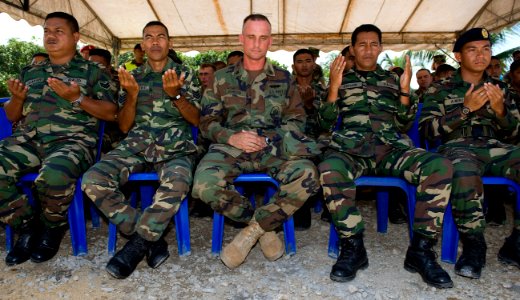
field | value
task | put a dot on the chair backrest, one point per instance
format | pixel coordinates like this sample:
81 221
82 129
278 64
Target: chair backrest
413 133
5 126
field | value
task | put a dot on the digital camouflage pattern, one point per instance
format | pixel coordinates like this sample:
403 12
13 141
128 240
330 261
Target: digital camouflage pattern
160 140
54 139
368 141
473 145
271 106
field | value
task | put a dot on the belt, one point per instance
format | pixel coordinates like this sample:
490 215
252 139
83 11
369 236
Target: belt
473 131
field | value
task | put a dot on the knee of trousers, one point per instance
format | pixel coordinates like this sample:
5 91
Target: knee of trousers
205 184
304 172
56 182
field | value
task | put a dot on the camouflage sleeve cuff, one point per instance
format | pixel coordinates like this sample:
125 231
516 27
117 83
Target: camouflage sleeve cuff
328 114
223 136
507 121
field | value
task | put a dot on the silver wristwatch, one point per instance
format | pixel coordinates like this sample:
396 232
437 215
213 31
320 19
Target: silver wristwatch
77 102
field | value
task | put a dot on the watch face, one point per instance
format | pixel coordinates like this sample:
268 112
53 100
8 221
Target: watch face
465 110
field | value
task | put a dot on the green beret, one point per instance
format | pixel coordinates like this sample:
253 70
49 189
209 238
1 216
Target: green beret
474 34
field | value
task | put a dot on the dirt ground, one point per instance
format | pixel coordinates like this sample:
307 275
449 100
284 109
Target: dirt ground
302 276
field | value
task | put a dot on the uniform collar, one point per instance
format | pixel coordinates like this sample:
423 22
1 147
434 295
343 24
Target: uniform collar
239 71
146 68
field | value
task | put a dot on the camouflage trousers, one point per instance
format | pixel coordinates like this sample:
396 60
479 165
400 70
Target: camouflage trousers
467 195
429 171
102 184
217 170
59 164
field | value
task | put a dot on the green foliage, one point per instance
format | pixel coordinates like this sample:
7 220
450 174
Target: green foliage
14 56
125 57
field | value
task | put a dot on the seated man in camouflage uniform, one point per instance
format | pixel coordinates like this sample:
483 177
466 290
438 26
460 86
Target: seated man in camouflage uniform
58 102
158 106
311 93
375 108
254 117
470 114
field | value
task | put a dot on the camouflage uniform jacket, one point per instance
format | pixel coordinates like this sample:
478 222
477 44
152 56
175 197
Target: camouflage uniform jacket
270 105
50 118
160 132
312 128
441 116
370 112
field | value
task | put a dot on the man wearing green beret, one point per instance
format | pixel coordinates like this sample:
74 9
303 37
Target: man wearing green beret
469 115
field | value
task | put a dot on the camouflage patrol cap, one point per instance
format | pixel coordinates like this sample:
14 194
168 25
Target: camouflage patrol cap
474 34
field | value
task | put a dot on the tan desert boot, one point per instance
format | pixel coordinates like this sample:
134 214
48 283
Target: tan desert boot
236 252
271 246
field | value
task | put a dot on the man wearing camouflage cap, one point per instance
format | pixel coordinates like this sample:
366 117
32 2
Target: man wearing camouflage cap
254 117
469 115
59 102
160 101
375 108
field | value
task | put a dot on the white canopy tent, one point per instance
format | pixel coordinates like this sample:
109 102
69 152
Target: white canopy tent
326 24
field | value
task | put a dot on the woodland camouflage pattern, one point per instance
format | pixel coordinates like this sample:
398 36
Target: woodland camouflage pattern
368 141
271 106
160 140
53 136
473 145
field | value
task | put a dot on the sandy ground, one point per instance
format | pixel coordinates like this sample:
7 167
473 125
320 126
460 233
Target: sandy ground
302 276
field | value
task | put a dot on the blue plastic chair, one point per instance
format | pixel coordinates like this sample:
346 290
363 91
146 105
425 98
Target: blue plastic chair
450 234
146 183
382 198
76 213
271 188
147 186
5 126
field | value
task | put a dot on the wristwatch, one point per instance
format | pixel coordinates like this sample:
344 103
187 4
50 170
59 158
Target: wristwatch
404 94
176 97
77 102
465 112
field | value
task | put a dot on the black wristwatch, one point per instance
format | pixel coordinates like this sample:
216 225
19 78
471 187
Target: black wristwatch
176 97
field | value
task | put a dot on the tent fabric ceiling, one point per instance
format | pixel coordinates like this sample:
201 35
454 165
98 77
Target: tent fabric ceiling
326 24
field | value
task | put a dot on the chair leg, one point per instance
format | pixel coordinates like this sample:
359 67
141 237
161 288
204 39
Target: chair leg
94 216
217 234
112 239
8 238
289 236
333 242
450 237
78 232
382 211
182 228
412 190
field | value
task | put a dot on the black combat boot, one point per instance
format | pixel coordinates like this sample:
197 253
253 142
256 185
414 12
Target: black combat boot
421 258
157 253
48 244
28 235
353 256
510 251
124 262
473 257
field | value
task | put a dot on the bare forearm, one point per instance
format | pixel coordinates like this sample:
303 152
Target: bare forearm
126 115
188 111
13 109
103 110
